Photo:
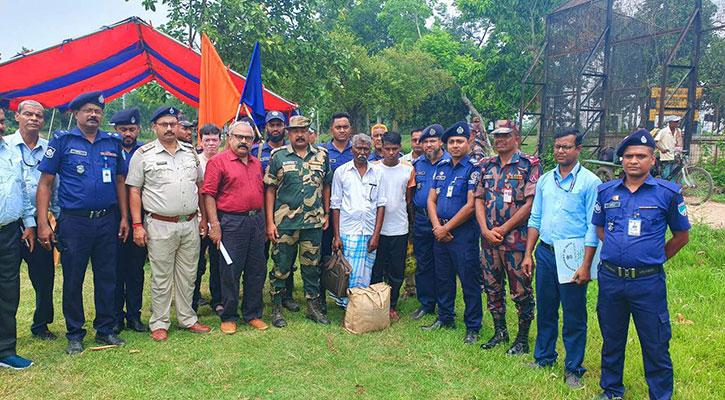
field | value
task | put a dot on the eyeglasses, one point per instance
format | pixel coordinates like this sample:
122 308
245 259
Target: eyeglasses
242 138
167 125
563 148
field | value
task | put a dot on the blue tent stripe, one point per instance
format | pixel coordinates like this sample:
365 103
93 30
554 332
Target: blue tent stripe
171 65
118 88
195 99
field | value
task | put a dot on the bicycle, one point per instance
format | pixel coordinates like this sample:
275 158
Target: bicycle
697 184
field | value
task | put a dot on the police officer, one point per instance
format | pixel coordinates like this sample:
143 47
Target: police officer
131 257
450 208
91 193
423 239
274 125
503 203
632 216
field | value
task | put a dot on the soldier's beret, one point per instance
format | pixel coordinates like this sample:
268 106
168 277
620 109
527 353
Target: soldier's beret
85 98
460 128
432 131
641 137
129 116
164 110
272 115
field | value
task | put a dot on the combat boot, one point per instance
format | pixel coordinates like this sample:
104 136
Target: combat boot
521 344
500 334
277 317
314 312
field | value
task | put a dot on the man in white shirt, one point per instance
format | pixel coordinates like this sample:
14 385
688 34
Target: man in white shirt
358 207
668 140
416 146
396 184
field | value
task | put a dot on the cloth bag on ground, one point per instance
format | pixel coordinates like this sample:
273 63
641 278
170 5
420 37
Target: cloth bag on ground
368 308
336 274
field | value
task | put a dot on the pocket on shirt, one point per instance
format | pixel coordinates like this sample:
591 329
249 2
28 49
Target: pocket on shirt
190 171
650 216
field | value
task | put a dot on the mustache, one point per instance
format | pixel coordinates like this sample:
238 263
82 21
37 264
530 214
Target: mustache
242 146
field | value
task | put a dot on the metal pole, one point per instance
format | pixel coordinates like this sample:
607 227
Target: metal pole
605 75
692 86
69 121
542 117
50 126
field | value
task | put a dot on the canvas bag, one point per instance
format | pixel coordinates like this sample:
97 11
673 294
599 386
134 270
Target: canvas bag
336 274
368 308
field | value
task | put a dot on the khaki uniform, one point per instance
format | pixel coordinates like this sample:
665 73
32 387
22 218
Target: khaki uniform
168 184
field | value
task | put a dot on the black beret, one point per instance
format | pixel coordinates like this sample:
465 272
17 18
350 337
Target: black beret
641 137
129 116
431 131
85 98
164 110
460 128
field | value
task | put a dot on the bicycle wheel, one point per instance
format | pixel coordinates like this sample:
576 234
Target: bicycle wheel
697 187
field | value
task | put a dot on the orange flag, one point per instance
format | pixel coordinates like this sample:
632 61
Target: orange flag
218 97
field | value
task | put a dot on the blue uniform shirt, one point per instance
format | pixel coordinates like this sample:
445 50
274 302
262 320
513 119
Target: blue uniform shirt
424 172
266 152
336 157
80 166
14 200
570 199
635 223
128 154
452 183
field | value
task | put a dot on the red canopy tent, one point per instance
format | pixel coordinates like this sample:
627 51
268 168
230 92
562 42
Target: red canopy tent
114 60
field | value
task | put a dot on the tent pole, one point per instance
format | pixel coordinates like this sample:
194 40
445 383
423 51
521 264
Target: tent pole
69 121
50 126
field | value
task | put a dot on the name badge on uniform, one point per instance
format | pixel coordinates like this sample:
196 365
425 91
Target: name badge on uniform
634 228
449 193
106 174
508 195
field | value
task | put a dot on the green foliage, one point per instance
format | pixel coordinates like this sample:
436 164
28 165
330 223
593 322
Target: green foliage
717 169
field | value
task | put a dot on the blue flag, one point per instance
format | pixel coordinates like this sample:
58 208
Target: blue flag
252 94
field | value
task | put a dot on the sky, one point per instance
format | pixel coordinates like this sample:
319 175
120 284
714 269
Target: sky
37 24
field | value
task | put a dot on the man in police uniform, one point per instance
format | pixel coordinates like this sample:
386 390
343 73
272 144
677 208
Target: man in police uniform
632 216
131 258
450 208
274 125
424 168
92 192
165 179
297 202
503 203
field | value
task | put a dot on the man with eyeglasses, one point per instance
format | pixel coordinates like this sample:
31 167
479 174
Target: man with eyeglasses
93 199
566 193
30 118
503 203
165 180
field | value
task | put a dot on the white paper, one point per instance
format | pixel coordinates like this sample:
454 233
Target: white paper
569 256
226 256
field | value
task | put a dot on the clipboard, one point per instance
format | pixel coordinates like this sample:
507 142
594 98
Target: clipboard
569 256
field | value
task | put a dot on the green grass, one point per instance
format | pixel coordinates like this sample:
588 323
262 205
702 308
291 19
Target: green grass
306 360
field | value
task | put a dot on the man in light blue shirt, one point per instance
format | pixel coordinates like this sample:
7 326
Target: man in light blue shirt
14 205
562 209
41 269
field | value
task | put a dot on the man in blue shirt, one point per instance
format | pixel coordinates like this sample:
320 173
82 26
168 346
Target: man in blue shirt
423 239
91 194
562 209
451 209
632 216
16 205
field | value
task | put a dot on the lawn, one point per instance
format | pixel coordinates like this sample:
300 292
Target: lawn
306 360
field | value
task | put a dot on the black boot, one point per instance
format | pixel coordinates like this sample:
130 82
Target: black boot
277 317
500 334
521 344
314 312
290 304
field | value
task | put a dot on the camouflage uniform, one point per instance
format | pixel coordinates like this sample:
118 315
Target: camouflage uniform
298 214
520 176
481 147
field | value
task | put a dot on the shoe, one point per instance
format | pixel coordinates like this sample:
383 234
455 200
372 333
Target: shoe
419 313
198 327
109 340
277 317
290 304
438 324
118 327
45 335
314 312
159 335
471 337
15 362
574 382
535 365
500 334
603 396
74 347
258 324
229 327
137 326
521 343
394 315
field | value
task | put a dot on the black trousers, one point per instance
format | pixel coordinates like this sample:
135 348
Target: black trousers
129 280
390 264
325 253
214 279
243 237
41 270
290 282
9 286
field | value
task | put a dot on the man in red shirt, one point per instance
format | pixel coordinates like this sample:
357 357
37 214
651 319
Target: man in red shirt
233 192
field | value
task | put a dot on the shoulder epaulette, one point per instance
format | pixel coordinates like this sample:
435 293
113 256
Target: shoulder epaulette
147 147
669 185
532 159
276 150
114 135
608 184
57 134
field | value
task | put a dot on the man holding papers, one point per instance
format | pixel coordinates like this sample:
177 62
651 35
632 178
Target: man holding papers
562 209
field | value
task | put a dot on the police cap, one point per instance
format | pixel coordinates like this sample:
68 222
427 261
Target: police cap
164 110
641 137
460 128
85 98
129 116
431 131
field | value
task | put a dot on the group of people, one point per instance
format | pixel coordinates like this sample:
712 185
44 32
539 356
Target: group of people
472 218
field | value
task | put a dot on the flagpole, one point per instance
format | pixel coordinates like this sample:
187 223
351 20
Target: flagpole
256 130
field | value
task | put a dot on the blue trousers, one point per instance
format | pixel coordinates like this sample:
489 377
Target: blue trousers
645 299
425 278
459 257
573 299
129 280
82 239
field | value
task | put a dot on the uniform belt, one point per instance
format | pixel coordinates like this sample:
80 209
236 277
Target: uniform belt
632 273
178 218
546 246
249 213
421 210
88 213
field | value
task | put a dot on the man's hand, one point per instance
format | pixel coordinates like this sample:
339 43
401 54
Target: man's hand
203 227
492 236
29 238
46 236
527 265
373 243
326 222
123 230
500 231
337 244
272 233
139 236
440 232
215 233
582 275
447 238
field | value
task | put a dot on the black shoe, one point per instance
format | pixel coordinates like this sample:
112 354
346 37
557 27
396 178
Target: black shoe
45 335
290 304
112 340
438 324
419 313
277 317
500 335
137 326
74 347
314 312
471 337
118 327
603 396
521 344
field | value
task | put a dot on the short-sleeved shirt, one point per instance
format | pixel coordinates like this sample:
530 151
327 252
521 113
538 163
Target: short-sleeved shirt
668 140
87 171
266 154
653 207
518 179
452 182
358 198
396 182
128 154
168 182
237 187
299 182
336 157
424 171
